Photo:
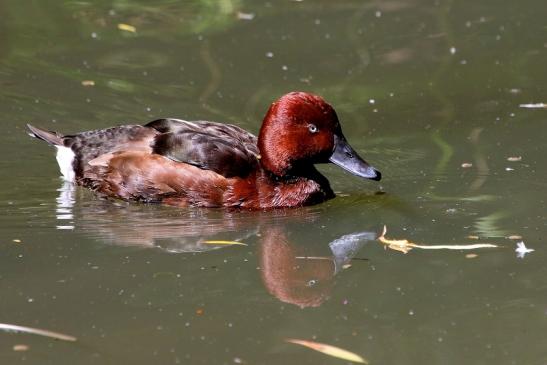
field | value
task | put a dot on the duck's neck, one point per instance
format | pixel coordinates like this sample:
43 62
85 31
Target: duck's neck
303 186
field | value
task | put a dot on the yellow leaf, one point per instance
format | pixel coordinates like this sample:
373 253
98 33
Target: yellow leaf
213 242
398 245
329 350
127 28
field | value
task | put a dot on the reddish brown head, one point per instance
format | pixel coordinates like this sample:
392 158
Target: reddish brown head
302 129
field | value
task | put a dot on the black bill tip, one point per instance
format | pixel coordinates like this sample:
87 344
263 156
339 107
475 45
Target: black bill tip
377 175
345 156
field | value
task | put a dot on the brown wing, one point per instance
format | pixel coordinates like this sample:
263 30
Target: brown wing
141 176
223 148
92 144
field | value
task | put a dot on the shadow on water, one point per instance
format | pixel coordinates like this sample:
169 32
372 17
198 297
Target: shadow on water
292 270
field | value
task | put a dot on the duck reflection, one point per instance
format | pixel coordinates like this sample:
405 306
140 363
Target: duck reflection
291 269
293 275
65 203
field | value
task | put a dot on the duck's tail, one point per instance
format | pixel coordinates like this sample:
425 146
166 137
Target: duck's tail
52 138
65 155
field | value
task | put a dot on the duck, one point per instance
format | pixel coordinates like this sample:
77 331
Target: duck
208 164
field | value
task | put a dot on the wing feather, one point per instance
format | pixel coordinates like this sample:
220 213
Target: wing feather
223 148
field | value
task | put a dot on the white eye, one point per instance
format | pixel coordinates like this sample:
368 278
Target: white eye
312 128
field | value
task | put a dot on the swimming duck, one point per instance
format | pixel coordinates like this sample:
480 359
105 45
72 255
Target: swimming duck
207 164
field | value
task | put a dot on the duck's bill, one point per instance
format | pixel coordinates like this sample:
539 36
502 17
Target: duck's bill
346 157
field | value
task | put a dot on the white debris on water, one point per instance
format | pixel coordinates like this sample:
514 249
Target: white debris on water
534 106
522 250
245 16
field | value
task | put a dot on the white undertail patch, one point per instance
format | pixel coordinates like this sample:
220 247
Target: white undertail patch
65 158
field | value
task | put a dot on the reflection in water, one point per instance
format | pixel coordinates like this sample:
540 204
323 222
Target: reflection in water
483 171
304 281
65 202
346 247
291 270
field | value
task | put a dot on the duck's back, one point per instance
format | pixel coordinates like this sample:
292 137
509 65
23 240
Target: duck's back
89 145
166 158
223 148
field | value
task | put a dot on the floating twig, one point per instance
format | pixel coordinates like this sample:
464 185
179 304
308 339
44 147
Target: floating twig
405 245
36 331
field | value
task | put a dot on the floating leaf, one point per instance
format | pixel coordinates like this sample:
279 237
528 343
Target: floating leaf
127 28
398 245
329 350
36 331
404 245
20 347
213 242
245 16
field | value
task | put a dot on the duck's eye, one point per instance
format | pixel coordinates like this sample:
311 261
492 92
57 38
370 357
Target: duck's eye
312 128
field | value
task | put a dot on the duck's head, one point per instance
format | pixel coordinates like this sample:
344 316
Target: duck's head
301 129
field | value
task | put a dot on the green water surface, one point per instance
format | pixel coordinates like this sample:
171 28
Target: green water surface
427 91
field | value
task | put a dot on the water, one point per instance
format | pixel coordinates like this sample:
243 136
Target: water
422 88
